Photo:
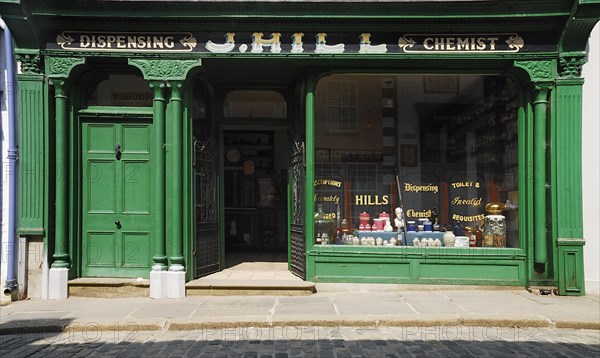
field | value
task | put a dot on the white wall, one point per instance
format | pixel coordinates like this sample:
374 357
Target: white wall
591 164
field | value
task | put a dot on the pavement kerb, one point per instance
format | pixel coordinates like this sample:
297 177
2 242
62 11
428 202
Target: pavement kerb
94 326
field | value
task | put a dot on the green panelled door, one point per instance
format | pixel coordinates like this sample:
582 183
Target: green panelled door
117 223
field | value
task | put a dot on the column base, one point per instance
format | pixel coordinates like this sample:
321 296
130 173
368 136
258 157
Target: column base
159 284
176 285
58 288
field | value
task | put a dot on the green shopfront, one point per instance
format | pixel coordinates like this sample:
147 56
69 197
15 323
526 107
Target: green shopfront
391 142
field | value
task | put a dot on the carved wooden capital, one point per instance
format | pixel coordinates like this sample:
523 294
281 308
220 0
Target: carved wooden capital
164 69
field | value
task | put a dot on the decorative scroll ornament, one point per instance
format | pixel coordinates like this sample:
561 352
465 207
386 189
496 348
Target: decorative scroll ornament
406 43
538 70
570 67
515 42
64 40
30 63
62 66
164 69
189 42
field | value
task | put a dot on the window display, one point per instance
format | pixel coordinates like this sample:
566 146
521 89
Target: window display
443 161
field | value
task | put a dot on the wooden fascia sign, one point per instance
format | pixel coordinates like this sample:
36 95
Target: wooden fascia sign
287 43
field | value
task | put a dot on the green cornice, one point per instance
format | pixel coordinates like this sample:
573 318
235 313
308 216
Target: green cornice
581 21
161 69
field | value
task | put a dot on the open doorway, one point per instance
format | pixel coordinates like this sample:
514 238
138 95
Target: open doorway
255 198
255 162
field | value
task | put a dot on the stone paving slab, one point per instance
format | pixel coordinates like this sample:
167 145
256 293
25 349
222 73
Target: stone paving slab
379 308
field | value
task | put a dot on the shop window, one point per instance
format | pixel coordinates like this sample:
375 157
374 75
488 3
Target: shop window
254 104
121 90
341 106
447 144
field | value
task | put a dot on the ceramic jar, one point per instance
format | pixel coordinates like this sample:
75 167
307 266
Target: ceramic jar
449 239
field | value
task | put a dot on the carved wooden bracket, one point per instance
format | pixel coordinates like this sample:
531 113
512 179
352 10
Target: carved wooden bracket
61 67
164 69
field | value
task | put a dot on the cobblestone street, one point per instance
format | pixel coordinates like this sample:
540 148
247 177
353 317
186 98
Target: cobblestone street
280 342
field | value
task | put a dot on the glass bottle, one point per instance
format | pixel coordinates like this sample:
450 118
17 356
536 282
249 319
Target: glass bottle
434 216
478 236
324 226
458 230
494 231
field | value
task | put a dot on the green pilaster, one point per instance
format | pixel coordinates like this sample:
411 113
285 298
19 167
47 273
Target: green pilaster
61 257
567 190
158 107
568 155
176 258
32 126
310 173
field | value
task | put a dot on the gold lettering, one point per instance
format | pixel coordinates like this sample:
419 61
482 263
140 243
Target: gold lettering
462 43
439 43
450 43
169 42
121 42
427 43
109 40
157 41
492 41
481 44
84 41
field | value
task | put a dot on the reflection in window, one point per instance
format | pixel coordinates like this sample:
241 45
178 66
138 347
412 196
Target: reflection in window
122 91
254 104
341 106
448 142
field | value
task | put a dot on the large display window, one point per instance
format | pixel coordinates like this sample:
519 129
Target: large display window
416 160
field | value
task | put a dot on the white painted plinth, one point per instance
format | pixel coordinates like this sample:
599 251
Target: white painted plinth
159 284
176 284
57 283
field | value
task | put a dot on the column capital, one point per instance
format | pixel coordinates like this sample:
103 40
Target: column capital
158 90
176 89
61 86
31 63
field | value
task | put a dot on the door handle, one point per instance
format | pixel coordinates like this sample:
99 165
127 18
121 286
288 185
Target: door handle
118 151
118 224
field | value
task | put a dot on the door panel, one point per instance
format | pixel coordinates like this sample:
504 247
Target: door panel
100 177
117 223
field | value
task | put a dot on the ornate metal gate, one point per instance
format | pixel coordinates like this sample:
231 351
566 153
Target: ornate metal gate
206 243
297 175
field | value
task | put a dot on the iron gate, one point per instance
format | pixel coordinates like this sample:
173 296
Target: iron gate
297 176
207 246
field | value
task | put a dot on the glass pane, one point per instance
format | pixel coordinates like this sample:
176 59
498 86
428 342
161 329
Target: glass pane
122 91
254 104
447 142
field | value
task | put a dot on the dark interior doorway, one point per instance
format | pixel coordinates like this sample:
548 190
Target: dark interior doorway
255 200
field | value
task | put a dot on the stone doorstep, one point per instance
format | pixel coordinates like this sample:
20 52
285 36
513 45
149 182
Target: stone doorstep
228 287
122 287
103 287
